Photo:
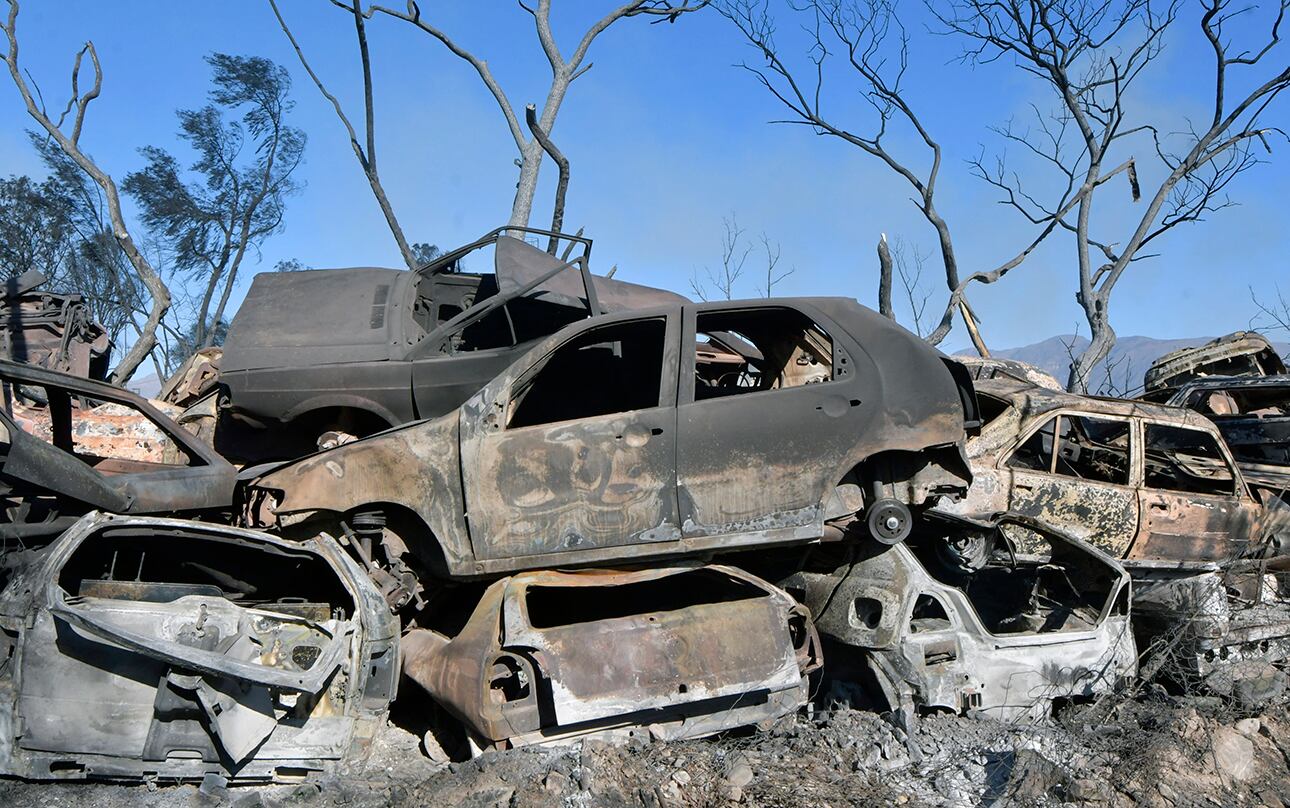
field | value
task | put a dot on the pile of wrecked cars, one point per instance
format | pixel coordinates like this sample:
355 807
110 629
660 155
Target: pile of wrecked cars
563 506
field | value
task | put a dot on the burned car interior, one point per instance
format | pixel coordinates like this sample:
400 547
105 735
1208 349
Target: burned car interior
779 348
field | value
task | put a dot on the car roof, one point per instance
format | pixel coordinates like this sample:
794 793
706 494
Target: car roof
1037 401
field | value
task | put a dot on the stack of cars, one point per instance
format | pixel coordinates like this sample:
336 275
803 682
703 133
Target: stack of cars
566 506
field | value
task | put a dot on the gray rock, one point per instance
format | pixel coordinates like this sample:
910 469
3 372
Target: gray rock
1233 754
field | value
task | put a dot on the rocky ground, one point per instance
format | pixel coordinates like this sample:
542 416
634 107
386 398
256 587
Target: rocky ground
1154 750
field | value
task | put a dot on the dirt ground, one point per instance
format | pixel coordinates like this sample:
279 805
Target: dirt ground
1154 750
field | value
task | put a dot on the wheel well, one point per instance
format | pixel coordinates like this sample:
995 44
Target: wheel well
354 420
413 531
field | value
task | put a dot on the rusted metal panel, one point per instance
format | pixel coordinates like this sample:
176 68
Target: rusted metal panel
415 467
549 656
51 330
281 662
1243 353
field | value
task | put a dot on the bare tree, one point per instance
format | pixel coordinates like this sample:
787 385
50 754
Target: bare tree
564 70
869 39
1089 55
734 255
909 263
1272 314
884 279
722 283
366 154
69 142
208 225
562 164
773 273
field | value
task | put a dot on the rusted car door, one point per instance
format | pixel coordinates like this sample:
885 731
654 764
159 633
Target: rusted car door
577 451
759 447
1194 502
1074 471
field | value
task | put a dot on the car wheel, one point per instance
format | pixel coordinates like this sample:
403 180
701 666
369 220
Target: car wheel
889 521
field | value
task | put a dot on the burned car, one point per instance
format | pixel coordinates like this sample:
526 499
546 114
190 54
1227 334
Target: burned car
360 350
1253 413
606 442
1138 480
957 618
51 330
1243 353
1222 629
552 656
70 445
145 648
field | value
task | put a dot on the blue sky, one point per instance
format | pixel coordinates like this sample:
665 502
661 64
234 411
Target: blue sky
666 137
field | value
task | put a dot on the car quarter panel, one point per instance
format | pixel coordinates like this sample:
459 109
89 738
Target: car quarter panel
415 467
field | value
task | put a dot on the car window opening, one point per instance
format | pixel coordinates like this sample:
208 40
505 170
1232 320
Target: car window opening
113 437
611 369
1186 460
132 565
751 351
555 606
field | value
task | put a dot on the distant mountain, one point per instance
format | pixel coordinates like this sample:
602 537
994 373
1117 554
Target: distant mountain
1129 359
148 386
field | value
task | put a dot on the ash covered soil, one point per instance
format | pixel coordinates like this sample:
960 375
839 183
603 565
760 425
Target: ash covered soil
1153 751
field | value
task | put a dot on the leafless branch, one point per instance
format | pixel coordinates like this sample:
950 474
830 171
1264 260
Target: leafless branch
70 145
366 156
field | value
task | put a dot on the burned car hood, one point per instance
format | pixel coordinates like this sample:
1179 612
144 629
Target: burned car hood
316 317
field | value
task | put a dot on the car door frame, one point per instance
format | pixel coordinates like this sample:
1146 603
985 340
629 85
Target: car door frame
839 400
1235 514
487 414
1130 489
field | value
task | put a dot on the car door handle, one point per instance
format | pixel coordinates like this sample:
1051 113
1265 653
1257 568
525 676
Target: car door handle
1023 487
1159 506
637 435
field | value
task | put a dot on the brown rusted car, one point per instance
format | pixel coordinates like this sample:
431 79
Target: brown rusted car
550 656
1139 480
607 442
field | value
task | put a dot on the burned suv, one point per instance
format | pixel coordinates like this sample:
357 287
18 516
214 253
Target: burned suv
613 441
361 350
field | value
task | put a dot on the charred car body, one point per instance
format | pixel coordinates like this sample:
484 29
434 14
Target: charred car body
51 330
930 624
1253 413
360 350
1243 353
1226 629
1138 480
1152 484
551 656
70 445
605 442
138 647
